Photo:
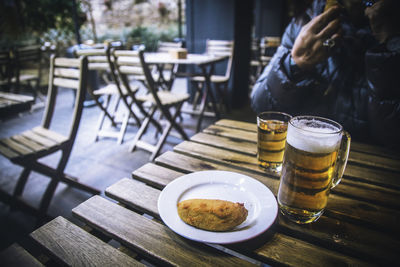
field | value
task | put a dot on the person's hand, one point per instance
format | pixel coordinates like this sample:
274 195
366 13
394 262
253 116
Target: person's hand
308 49
384 19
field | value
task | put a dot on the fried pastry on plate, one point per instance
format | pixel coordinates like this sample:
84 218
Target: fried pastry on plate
212 214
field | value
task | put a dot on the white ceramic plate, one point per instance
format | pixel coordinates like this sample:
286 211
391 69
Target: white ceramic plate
257 198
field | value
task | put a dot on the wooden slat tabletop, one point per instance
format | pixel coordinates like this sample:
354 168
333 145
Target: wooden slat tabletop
358 228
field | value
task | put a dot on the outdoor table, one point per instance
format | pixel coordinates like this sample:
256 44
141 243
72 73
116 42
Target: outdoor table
11 104
360 226
206 64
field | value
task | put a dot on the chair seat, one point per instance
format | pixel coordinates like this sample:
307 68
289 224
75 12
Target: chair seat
111 89
213 79
36 142
22 78
166 97
156 76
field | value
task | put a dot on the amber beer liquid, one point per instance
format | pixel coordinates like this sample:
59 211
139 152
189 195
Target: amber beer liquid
272 130
309 168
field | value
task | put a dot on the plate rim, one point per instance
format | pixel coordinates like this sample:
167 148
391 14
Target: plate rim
270 217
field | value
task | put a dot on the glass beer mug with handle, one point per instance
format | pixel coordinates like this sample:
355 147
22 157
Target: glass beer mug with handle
315 157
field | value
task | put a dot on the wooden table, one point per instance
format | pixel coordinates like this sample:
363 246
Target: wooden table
360 226
14 103
205 63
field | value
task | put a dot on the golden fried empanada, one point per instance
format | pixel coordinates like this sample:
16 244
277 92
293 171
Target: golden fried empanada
212 214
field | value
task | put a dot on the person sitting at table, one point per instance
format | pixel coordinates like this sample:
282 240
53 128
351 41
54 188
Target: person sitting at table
342 64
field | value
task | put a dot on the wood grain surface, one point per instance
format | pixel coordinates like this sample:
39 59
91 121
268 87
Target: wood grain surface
359 226
70 245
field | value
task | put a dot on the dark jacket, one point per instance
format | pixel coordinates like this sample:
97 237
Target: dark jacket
357 86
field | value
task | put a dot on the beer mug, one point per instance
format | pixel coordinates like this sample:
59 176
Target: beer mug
316 154
271 139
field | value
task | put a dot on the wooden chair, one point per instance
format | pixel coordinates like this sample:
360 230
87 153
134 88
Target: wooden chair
100 60
268 46
219 48
166 75
27 148
133 63
255 61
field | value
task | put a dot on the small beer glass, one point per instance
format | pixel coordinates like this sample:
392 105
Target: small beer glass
315 158
272 128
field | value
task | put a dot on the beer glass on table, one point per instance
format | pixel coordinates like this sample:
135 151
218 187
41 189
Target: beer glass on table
272 129
315 158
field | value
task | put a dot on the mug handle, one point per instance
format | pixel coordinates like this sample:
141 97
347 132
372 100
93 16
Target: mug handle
341 161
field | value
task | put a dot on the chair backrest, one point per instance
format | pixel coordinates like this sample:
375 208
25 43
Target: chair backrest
222 48
133 63
5 66
167 46
67 73
28 57
270 41
127 62
152 85
98 59
255 49
269 44
101 60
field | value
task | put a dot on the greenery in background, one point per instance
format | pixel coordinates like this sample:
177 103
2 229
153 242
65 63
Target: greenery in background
149 36
31 21
24 22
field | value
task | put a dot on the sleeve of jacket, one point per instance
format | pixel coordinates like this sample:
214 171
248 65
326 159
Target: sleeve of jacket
384 100
278 87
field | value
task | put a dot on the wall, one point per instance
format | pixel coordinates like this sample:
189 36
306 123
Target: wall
268 18
232 20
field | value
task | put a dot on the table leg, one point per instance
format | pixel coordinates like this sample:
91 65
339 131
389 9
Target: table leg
161 80
207 93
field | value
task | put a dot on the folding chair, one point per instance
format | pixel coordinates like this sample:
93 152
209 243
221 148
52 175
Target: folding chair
218 48
165 74
27 148
100 60
133 63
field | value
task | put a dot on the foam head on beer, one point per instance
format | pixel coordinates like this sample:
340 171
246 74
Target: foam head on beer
313 136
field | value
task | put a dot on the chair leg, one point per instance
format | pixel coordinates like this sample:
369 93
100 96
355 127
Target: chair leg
23 178
116 105
124 125
105 108
223 94
74 182
202 110
47 196
102 117
170 124
176 125
135 117
197 95
143 128
161 141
